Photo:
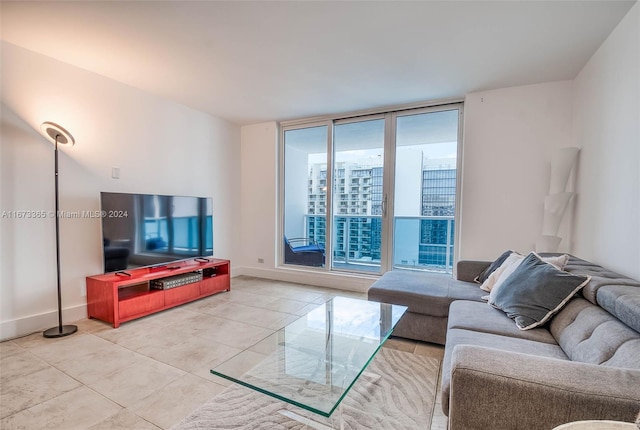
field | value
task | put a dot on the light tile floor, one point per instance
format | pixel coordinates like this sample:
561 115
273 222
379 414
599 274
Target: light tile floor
150 373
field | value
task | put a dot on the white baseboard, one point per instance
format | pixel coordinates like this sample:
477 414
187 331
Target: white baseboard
336 280
35 323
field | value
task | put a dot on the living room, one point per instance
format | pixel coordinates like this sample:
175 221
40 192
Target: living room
121 118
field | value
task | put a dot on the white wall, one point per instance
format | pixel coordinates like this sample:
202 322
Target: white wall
258 189
159 146
509 135
607 127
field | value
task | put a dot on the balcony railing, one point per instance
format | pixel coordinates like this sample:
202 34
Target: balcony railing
420 242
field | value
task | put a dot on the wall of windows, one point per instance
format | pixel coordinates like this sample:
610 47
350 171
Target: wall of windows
380 191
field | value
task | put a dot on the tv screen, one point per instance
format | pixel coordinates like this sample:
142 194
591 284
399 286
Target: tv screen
145 230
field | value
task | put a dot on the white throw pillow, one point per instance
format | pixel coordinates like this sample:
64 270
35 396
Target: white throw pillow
560 261
509 268
490 282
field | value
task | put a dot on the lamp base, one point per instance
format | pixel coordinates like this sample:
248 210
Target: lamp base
60 331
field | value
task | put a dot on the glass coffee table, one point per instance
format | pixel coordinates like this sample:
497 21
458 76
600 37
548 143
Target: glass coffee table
314 361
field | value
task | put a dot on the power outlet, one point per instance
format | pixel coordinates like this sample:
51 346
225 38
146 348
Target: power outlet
261 260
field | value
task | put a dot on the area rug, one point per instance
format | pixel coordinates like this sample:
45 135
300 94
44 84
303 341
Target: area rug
397 392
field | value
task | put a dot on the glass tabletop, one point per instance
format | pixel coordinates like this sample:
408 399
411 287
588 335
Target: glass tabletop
313 362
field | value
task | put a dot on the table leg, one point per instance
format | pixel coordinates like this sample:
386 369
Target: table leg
311 423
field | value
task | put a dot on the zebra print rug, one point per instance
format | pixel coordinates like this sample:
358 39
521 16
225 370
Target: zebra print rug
401 395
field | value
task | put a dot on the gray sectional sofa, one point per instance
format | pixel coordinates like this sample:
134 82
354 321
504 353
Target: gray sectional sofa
583 364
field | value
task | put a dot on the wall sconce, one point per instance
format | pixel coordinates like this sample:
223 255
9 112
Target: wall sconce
59 136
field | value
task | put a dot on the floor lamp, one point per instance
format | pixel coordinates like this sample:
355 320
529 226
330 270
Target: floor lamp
60 136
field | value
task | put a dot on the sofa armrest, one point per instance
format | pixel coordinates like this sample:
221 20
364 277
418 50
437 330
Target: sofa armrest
491 388
467 270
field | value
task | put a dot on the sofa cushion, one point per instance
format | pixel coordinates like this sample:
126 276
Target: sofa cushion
622 301
475 316
467 337
422 292
535 291
589 334
421 327
600 277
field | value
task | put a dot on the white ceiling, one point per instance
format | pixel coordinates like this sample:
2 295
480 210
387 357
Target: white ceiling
250 62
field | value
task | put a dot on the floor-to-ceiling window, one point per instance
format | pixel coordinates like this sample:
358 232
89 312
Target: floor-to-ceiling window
426 155
373 192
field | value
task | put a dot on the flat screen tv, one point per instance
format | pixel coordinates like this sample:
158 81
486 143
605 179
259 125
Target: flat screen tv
153 230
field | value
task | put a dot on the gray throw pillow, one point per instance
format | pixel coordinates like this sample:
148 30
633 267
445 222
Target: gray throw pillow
536 291
492 267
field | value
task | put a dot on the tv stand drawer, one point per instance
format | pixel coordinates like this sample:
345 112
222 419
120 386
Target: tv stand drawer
182 294
141 304
214 284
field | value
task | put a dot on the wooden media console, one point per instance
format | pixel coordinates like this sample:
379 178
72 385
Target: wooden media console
117 297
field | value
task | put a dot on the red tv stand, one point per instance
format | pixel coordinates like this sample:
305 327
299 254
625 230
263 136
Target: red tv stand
120 298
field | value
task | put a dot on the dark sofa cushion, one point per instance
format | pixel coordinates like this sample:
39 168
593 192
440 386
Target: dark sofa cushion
423 292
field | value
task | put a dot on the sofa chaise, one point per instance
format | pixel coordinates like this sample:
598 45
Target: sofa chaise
583 363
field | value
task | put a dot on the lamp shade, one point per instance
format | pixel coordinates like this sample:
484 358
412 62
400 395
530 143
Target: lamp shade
53 130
